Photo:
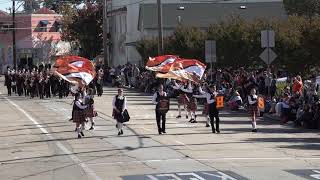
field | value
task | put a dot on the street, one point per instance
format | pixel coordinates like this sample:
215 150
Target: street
38 142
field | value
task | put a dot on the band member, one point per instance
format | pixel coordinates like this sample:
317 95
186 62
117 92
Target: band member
190 101
205 111
119 104
99 82
253 108
79 115
90 110
47 87
8 81
159 96
41 86
181 99
213 110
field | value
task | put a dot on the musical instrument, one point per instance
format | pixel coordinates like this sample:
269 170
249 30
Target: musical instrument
163 104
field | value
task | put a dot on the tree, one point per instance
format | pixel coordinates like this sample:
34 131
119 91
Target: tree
307 8
84 28
31 5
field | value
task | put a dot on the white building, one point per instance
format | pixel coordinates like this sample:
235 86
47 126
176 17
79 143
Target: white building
132 20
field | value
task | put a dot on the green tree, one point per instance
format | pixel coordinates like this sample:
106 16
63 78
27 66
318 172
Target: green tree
84 28
307 8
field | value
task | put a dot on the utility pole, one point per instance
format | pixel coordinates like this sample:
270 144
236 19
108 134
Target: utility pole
160 28
105 34
14 34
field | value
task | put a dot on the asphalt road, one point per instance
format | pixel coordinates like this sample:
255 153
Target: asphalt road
38 142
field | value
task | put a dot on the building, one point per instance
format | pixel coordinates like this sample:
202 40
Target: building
38 38
130 21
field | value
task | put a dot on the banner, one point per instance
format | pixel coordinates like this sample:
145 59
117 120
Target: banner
75 69
161 63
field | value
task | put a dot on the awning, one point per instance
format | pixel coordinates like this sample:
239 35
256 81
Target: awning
44 22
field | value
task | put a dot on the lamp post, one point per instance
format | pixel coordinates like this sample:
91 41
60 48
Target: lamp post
160 28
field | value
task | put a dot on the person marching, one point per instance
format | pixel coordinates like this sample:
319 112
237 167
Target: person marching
213 110
160 114
191 102
119 104
205 111
99 82
181 99
253 108
8 81
90 110
78 115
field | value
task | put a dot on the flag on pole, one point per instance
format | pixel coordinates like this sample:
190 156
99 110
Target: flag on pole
75 69
161 63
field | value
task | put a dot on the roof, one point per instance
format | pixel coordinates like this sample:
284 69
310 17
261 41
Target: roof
44 11
204 14
3 13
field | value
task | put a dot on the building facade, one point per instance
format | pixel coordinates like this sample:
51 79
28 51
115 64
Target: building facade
130 21
38 38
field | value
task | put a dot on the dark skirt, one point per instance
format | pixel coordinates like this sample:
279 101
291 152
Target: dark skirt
205 109
79 116
253 110
89 112
192 104
182 99
117 116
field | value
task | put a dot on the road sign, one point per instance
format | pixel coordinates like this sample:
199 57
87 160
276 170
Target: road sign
211 55
268 56
267 39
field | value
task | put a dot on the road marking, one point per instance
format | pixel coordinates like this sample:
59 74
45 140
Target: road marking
83 165
189 159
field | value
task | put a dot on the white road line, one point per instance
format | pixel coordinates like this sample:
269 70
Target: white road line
146 129
213 159
83 165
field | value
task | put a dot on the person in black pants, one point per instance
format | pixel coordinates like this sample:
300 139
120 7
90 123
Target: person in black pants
213 110
7 82
160 111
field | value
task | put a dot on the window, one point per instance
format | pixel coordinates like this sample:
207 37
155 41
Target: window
42 26
56 27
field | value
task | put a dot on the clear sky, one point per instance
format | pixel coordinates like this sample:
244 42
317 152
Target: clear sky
5 4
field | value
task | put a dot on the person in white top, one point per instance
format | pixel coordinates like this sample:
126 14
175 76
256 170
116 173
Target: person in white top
160 111
213 110
119 104
181 99
253 108
79 116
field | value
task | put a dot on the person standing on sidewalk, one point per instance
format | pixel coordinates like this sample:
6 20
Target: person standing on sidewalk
161 108
119 104
253 108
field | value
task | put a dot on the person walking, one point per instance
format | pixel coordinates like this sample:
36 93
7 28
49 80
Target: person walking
78 115
119 104
253 108
89 101
161 110
212 105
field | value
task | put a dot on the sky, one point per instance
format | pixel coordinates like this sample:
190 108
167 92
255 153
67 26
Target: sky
5 4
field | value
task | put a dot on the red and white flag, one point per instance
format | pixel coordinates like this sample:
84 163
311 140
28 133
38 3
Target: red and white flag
185 70
75 69
161 63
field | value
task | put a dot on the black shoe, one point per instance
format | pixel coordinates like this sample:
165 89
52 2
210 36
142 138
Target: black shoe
218 131
159 131
164 132
79 136
81 133
207 125
187 116
91 128
213 131
178 117
254 130
121 131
